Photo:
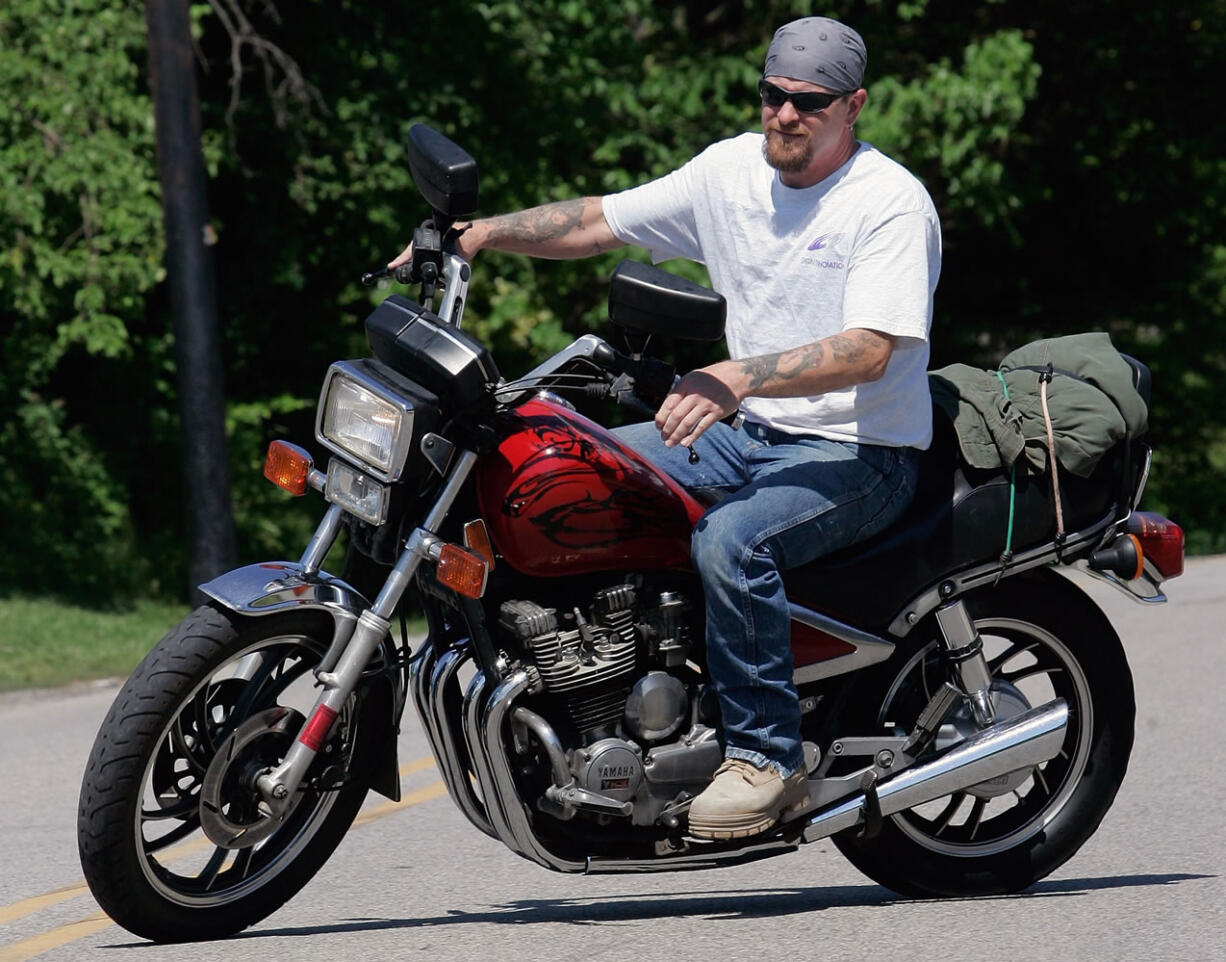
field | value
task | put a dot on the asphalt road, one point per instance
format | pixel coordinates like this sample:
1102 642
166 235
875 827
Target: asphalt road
416 881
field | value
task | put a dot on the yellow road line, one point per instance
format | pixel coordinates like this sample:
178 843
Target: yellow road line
37 903
433 790
408 768
38 944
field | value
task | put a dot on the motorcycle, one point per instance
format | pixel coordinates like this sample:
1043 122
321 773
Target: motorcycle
967 714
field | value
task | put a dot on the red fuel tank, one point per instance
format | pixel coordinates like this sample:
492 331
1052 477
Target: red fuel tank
561 496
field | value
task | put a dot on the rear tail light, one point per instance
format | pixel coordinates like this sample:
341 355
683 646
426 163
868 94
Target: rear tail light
1150 537
1161 541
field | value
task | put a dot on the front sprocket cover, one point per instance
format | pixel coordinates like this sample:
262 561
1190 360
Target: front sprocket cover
613 768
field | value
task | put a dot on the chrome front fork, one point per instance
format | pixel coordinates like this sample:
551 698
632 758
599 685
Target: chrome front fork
964 649
278 785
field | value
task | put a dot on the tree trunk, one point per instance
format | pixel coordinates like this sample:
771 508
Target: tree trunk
189 265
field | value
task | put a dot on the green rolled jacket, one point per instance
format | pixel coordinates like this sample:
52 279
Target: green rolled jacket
998 418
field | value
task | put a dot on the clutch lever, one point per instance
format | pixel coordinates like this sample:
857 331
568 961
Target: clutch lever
401 274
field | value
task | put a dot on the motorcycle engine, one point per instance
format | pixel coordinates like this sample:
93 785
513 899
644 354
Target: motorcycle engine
634 719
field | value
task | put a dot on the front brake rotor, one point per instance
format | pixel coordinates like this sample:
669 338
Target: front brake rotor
230 803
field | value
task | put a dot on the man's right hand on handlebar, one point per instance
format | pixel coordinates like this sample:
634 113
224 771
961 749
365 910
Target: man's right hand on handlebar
462 241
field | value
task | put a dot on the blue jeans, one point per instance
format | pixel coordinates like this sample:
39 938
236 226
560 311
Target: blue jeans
788 500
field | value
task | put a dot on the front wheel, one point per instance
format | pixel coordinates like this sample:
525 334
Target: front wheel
1044 639
172 838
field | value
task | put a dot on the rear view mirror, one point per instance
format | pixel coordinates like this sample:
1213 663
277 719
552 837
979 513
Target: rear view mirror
444 172
648 300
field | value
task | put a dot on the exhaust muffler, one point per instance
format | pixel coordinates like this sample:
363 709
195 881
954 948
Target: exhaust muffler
1020 742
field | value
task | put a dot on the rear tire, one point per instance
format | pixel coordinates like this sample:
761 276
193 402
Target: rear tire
1044 639
147 859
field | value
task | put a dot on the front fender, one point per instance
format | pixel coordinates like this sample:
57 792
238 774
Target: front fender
275 586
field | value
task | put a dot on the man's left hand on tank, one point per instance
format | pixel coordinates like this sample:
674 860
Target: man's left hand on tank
696 402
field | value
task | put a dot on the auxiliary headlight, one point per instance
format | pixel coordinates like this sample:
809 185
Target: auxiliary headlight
359 495
362 419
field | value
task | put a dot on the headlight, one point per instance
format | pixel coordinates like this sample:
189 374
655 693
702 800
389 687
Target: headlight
356 493
362 423
365 420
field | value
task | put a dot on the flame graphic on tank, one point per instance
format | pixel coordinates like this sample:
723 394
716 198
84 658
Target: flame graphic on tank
578 517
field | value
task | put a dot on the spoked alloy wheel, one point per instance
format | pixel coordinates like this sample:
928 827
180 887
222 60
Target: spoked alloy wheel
1043 640
175 842
1031 667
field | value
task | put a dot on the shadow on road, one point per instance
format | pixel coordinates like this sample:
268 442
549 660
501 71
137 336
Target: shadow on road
758 903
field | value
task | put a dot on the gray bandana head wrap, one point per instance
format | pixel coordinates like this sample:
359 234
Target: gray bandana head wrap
820 51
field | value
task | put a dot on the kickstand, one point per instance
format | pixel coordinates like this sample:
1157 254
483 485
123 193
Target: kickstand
872 806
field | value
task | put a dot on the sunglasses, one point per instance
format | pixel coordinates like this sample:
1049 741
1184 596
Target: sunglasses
805 101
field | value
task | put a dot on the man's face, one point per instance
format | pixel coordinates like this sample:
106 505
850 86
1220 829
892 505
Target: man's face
793 138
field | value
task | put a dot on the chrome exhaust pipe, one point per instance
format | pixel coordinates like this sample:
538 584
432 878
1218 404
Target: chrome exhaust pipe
420 668
474 704
444 688
498 767
1021 742
429 679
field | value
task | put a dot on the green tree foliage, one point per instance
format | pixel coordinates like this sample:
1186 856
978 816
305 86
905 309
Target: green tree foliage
79 252
954 124
1071 152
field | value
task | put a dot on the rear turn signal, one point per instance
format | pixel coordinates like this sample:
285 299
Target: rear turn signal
1161 541
1122 557
461 570
288 466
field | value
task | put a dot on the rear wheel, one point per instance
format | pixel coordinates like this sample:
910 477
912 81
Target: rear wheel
171 836
1044 639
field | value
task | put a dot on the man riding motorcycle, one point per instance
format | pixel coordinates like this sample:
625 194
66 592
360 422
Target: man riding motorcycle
828 254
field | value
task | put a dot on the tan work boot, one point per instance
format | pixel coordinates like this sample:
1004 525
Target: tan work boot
744 800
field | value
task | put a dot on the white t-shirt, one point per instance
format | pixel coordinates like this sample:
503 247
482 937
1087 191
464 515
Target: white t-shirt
861 249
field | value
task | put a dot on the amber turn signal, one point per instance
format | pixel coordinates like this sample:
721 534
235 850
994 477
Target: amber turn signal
461 570
288 466
477 538
1123 557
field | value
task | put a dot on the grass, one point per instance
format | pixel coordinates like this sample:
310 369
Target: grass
44 643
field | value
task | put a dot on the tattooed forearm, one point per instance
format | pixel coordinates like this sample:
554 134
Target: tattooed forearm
759 370
540 224
567 228
785 366
838 361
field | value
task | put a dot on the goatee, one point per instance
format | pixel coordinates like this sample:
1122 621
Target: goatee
788 155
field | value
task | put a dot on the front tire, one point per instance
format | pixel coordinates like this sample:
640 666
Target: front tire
218 699
1044 639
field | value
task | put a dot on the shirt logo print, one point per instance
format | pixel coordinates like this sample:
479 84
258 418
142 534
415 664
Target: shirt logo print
826 240
831 244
